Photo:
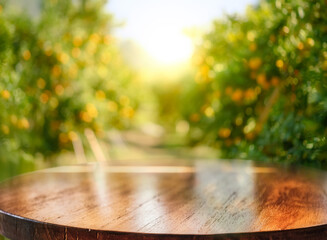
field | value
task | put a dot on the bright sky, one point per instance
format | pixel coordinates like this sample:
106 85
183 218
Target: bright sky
159 26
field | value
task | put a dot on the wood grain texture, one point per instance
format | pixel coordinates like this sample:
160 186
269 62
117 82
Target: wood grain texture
206 201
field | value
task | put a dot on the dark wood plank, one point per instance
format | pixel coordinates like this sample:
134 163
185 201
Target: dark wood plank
210 200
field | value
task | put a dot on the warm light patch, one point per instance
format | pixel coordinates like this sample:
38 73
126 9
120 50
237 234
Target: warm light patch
169 48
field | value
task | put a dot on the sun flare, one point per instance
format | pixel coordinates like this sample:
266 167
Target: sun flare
168 47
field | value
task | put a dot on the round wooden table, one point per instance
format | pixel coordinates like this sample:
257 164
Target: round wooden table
209 200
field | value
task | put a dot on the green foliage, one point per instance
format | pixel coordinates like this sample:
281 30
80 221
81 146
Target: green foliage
261 87
167 96
60 73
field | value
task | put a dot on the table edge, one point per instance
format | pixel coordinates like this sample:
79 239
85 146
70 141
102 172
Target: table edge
31 229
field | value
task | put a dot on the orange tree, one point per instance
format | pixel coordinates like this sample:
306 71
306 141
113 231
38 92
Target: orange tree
261 87
61 73
13 107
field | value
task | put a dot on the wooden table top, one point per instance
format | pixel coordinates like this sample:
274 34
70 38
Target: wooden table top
209 200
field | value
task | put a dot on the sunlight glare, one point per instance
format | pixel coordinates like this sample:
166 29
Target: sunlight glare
167 46
157 26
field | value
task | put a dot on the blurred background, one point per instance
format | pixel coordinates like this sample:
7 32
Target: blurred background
142 82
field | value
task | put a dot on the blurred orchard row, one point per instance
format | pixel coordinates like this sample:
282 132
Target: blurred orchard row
260 90
258 87
60 74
